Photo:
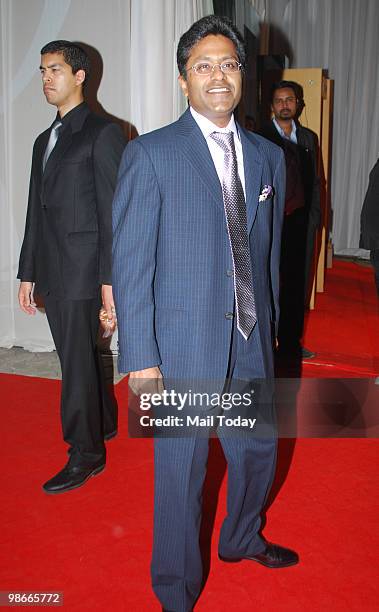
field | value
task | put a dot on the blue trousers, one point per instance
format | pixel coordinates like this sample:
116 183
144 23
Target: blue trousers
180 469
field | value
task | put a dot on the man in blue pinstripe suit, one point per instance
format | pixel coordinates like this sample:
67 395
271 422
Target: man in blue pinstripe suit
176 299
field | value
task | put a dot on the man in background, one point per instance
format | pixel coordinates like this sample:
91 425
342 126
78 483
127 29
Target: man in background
301 212
66 254
370 221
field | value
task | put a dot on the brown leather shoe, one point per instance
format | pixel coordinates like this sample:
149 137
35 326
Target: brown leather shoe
273 556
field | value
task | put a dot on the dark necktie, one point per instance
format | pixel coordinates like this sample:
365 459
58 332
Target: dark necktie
52 142
235 212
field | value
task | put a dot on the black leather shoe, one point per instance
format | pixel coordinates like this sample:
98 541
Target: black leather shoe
273 556
109 436
71 477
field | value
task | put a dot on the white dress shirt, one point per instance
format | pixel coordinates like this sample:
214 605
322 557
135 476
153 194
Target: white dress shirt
292 136
207 128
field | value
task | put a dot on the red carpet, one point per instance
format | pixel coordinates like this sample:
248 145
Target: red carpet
344 327
94 543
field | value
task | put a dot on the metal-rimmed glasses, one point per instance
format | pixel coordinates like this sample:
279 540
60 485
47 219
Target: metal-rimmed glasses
206 68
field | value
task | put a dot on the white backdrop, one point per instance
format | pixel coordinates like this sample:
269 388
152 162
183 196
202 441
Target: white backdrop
139 85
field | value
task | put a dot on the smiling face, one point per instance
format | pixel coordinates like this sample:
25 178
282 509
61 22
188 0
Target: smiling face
216 95
60 86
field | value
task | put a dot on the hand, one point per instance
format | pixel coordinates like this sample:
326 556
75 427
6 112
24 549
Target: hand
25 298
107 313
107 299
149 380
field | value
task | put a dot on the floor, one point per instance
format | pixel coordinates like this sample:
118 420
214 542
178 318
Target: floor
45 365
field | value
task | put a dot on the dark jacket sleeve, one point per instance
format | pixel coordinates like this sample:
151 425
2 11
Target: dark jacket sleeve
370 213
107 152
26 268
309 141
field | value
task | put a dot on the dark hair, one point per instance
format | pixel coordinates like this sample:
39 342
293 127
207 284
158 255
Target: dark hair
212 24
73 55
296 87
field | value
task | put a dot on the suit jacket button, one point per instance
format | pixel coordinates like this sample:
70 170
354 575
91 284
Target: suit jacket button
229 315
229 273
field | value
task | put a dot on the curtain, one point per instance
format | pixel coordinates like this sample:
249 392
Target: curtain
25 27
156 98
7 322
136 42
341 36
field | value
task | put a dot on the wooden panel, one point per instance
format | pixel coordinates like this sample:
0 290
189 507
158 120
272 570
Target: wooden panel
324 181
327 131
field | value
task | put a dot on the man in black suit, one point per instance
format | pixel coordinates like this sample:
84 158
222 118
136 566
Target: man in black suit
66 254
370 221
302 211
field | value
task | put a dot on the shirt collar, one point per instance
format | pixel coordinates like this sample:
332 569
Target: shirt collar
69 116
208 127
282 133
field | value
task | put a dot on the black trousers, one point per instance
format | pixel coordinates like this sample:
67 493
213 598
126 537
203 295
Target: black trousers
374 256
88 411
293 276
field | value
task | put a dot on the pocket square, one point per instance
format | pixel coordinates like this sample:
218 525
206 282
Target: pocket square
266 193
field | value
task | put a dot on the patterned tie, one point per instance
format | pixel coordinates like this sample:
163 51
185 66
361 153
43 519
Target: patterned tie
52 142
235 212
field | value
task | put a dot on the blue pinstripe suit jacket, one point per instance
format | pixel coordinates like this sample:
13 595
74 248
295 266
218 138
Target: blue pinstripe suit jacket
172 258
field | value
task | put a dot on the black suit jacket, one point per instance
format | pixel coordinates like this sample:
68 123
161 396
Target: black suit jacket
370 213
308 151
67 244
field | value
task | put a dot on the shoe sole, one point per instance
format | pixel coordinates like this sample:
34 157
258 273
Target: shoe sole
76 486
269 565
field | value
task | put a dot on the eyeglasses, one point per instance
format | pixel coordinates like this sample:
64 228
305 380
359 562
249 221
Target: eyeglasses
205 68
290 100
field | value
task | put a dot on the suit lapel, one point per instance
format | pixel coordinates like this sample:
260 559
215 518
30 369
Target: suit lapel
65 139
42 144
57 153
193 146
253 165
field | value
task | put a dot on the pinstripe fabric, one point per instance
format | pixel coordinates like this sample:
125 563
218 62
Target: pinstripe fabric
174 294
171 253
